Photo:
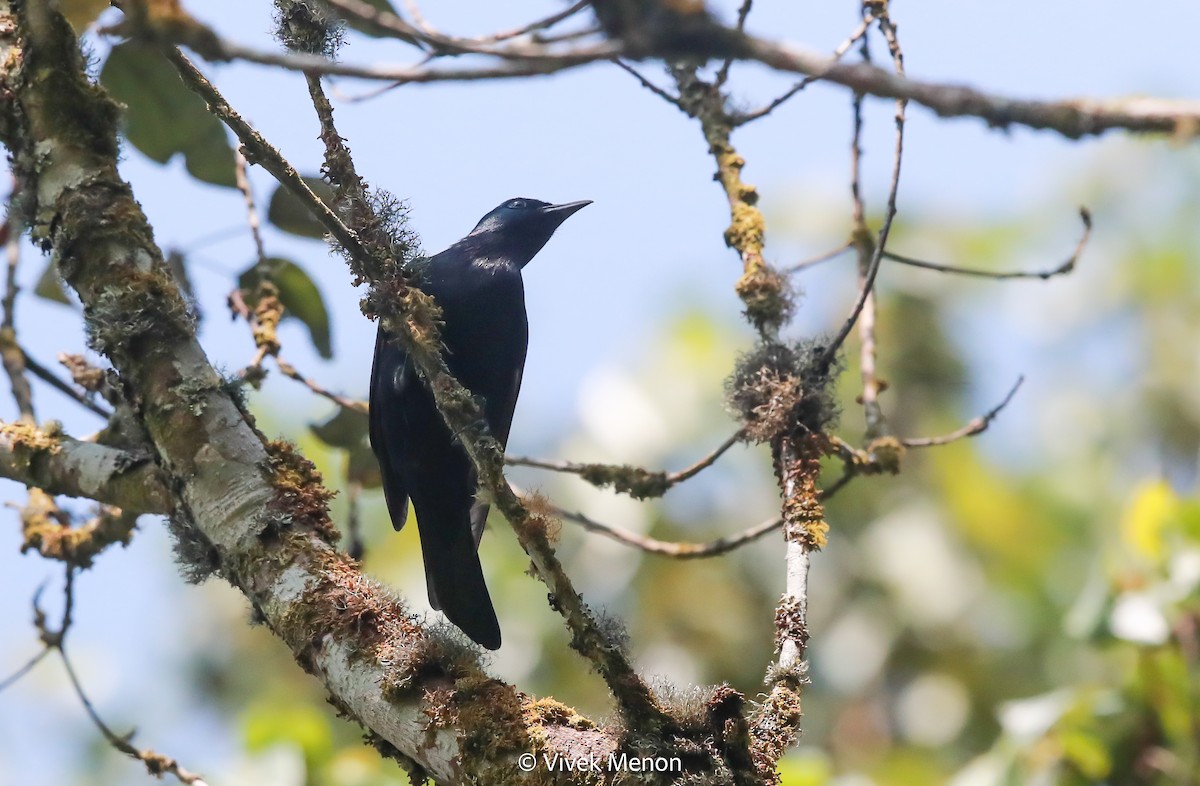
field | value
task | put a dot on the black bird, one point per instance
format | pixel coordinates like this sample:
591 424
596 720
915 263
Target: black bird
477 283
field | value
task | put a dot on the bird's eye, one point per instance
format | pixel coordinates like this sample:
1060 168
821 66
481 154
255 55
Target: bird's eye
517 204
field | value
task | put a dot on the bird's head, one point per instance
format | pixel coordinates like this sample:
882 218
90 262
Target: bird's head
522 226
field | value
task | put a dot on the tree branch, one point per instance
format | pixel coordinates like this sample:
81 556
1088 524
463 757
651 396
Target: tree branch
1065 267
637 482
61 465
1072 118
683 550
973 427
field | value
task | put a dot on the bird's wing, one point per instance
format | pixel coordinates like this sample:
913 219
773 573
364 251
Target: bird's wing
389 370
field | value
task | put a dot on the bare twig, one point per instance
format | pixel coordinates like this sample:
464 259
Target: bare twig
10 351
54 640
16 676
540 24
635 481
867 278
975 426
1072 117
683 550
859 33
863 245
1065 267
243 184
673 549
156 763
515 62
267 156
289 371
818 259
723 73
46 375
646 83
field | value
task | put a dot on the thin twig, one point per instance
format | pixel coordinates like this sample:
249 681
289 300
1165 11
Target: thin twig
289 371
706 461
55 640
868 280
723 74
1072 118
975 426
532 27
646 83
860 32
10 351
156 763
685 550
243 184
1065 267
675 550
514 62
265 155
21 672
639 483
861 240
46 375
817 260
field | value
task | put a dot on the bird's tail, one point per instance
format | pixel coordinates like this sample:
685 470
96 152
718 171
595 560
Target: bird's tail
456 586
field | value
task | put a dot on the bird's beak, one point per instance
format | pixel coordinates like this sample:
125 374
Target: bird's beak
564 211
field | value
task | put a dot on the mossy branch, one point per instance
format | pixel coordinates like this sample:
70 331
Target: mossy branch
259 517
61 465
411 316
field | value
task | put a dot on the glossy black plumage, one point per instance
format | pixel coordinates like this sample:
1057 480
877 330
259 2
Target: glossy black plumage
477 283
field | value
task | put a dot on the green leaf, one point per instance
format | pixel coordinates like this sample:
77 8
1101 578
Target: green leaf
287 212
363 468
163 118
50 287
379 5
346 429
300 297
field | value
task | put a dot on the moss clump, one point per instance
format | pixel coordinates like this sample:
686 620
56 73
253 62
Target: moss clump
195 554
886 454
27 441
440 653
542 518
134 317
637 482
774 730
301 499
747 228
340 602
789 623
778 389
493 714
548 712
768 298
308 27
